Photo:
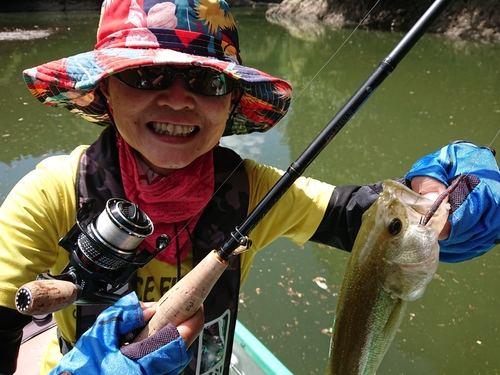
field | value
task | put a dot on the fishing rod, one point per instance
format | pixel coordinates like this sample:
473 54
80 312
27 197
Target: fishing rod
187 295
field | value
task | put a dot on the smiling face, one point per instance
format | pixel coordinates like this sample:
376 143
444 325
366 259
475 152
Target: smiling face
168 128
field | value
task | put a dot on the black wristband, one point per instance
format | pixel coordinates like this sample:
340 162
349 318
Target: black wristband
11 334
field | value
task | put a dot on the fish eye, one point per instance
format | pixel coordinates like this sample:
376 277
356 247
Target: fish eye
395 226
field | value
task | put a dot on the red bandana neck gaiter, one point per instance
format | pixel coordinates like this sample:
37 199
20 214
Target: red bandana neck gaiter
174 203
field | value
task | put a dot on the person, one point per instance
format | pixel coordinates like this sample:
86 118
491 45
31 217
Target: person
167 82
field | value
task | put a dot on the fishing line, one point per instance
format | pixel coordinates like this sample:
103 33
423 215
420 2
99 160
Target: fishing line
494 138
487 148
335 53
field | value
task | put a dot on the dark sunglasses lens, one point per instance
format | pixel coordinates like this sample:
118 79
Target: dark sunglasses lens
210 82
146 78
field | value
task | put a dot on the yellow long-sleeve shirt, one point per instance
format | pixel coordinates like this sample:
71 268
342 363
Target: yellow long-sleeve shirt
42 207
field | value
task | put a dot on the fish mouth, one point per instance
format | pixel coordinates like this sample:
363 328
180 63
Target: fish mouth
417 202
173 130
417 205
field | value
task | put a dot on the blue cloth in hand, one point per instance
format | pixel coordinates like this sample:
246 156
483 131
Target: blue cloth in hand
98 350
475 204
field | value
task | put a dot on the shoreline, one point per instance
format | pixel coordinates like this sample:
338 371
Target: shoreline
471 20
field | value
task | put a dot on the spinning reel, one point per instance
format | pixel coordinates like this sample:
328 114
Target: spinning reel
103 257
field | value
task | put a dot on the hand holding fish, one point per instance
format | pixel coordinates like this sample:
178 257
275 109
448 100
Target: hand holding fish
474 220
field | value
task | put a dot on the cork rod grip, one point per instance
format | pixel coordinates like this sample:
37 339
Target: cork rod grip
185 298
41 297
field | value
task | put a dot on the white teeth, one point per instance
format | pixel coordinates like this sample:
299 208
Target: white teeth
172 130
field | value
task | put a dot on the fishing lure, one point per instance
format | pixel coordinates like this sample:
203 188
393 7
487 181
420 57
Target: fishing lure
432 210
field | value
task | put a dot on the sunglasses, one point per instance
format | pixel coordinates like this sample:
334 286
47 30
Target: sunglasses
204 81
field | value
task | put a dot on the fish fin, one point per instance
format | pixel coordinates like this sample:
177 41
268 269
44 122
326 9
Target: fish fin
394 320
331 337
416 294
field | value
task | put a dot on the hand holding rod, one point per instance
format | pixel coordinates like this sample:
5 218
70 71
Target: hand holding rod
182 301
185 297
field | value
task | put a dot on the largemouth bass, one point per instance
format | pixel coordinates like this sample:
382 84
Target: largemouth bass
393 259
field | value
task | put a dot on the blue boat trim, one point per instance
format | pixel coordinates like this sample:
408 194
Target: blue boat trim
266 360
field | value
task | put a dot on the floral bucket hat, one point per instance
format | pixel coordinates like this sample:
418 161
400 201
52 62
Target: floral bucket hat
135 33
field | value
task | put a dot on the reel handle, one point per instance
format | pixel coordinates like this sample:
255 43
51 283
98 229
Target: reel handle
44 296
185 298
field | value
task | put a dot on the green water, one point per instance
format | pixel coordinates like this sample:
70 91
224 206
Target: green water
442 91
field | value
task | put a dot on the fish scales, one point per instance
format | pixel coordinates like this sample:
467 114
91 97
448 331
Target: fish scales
393 259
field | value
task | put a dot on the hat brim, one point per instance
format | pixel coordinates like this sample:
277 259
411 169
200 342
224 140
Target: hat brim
71 83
